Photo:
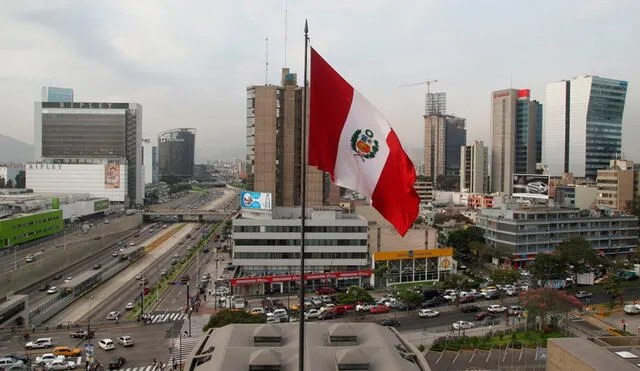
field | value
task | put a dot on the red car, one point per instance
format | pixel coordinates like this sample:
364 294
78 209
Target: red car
340 309
482 315
380 309
347 307
326 291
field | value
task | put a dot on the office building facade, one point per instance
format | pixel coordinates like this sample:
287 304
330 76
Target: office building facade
474 168
106 135
155 165
616 185
443 137
176 153
583 125
274 145
513 137
53 94
524 232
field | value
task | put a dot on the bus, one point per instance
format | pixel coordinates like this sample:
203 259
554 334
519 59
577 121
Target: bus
132 253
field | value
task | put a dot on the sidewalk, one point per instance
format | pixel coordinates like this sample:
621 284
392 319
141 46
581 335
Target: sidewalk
101 294
427 337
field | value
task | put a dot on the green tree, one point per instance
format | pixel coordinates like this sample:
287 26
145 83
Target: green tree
461 240
227 316
20 179
354 294
612 287
409 297
540 302
548 267
504 277
381 275
578 254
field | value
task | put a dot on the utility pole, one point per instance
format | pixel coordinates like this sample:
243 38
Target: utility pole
188 309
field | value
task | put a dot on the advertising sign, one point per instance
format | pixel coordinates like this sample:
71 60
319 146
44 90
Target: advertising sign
112 176
255 200
100 205
296 277
530 186
89 352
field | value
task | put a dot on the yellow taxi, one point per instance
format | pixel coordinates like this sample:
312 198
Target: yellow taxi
66 351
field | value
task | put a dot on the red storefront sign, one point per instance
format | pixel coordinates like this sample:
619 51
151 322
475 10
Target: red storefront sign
296 277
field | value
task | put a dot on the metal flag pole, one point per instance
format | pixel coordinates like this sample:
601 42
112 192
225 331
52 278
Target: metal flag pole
304 197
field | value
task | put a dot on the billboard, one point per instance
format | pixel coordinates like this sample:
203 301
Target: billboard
531 186
100 205
112 176
255 200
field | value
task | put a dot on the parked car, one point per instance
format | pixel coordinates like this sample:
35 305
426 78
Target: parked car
116 363
428 313
482 315
40 343
583 294
6 363
327 314
107 344
514 310
389 322
463 325
66 351
312 313
380 309
467 299
363 307
326 291
126 341
496 308
470 309
17 357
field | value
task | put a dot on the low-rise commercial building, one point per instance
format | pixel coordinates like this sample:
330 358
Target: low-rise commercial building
618 353
526 231
616 185
328 346
424 191
413 266
19 228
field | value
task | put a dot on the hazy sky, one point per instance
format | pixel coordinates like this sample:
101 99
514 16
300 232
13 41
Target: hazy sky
189 62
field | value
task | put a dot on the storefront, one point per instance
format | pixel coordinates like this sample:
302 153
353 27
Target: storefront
413 266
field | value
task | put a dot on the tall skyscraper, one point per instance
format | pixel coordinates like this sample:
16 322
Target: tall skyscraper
176 153
53 94
474 168
583 125
436 104
274 145
155 165
456 138
513 136
97 145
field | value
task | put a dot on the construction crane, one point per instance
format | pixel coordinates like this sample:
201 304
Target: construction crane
435 104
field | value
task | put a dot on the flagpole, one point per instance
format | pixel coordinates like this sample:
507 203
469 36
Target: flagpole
303 217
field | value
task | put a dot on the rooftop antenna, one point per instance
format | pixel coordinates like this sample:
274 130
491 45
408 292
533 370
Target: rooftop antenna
286 26
266 62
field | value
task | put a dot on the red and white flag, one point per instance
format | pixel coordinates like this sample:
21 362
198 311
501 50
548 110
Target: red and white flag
349 138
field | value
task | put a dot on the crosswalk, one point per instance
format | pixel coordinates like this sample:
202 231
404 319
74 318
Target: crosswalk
181 349
166 317
140 368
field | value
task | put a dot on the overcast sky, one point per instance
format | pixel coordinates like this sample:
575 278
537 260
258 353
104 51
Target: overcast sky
189 62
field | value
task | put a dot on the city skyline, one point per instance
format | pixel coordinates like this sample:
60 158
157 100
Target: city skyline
165 57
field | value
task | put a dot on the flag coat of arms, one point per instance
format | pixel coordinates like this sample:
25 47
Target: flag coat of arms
351 140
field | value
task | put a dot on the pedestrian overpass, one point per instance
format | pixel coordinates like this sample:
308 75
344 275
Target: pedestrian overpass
14 311
185 215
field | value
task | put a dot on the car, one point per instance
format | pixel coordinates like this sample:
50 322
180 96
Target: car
428 313
97 266
66 351
116 363
467 299
537 188
583 294
107 344
132 243
57 276
106 221
82 334
389 322
496 308
363 307
312 313
327 314
257 311
115 254
129 306
113 315
17 357
632 309
52 290
470 309
47 357
139 276
68 279
482 315
326 291
30 258
60 364
40 343
515 310
174 261
7 362
126 341
163 272
463 325
380 309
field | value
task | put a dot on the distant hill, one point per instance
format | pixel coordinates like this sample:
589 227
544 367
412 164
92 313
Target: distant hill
13 150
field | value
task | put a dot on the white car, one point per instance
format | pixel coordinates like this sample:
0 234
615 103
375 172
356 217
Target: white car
129 306
113 315
312 313
60 364
426 313
126 341
496 308
463 325
48 357
40 343
132 243
68 279
52 290
107 344
6 363
363 308
632 309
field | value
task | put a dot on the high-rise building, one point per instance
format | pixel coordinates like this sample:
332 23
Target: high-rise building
513 137
616 185
52 94
443 137
274 145
147 160
436 104
88 147
155 166
474 168
176 153
583 125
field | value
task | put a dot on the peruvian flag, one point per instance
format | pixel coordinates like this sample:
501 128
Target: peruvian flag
349 138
